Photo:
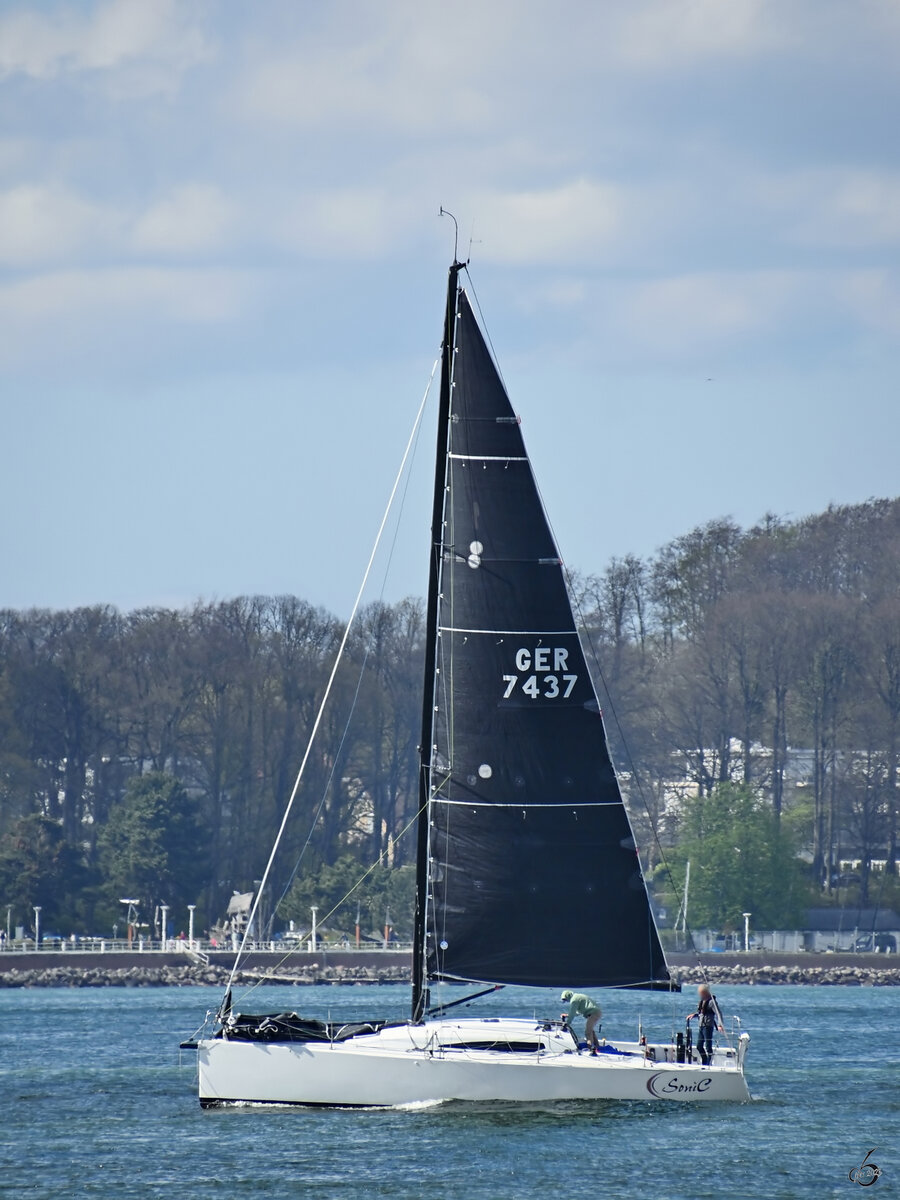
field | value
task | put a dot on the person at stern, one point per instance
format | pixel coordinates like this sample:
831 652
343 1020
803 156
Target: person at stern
710 1018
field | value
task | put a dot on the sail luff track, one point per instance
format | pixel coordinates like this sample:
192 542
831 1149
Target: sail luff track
419 980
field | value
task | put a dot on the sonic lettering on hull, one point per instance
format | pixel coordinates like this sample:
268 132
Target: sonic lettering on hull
675 1087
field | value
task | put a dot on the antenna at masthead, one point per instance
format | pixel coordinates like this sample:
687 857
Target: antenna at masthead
445 213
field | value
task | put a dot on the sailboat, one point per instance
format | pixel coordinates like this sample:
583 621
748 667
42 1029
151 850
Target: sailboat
527 868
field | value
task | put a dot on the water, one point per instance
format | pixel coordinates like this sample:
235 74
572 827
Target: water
96 1103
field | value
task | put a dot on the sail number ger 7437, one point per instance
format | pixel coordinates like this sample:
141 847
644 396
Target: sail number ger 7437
541 673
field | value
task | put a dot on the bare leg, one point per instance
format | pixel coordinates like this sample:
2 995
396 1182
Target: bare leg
590 1026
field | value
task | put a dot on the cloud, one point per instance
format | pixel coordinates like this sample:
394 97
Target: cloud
391 75
184 295
46 224
738 316
410 69
833 208
873 297
671 35
640 203
565 292
345 223
686 311
40 224
679 32
46 42
849 208
66 313
574 222
192 218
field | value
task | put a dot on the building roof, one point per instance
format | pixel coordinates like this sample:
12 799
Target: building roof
846 920
240 902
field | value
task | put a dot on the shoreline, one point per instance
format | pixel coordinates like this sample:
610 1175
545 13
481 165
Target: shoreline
386 967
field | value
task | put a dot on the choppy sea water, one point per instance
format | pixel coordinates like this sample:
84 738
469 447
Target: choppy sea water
97 1100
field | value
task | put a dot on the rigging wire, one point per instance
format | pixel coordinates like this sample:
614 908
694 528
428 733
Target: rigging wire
343 900
327 788
406 828
484 329
331 678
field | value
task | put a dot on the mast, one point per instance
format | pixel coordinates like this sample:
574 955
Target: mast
419 979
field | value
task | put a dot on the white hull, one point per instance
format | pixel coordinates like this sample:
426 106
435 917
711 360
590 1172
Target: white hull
418 1064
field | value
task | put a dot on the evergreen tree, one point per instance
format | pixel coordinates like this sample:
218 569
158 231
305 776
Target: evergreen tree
341 889
742 860
39 867
152 847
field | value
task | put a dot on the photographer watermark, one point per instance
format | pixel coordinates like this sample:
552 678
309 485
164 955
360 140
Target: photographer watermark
867 1172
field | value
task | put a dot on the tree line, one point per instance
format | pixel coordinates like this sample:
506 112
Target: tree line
767 658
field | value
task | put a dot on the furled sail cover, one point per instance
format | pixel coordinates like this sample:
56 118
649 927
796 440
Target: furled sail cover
533 875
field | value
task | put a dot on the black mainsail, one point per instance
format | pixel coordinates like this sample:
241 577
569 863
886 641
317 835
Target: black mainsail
527 867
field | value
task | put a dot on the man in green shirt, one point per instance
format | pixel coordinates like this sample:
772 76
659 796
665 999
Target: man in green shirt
581 1005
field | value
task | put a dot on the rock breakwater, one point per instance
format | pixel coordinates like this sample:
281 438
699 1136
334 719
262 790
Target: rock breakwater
192 975
828 976
213 975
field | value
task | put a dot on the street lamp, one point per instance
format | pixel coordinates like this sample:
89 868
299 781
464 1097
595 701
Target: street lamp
312 936
37 926
258 930
191 908
164 909
747 917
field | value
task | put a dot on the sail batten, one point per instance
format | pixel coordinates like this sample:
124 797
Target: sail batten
504 458
532 873
438 799
510 632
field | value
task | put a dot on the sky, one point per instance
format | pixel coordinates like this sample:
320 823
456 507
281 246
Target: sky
222 274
